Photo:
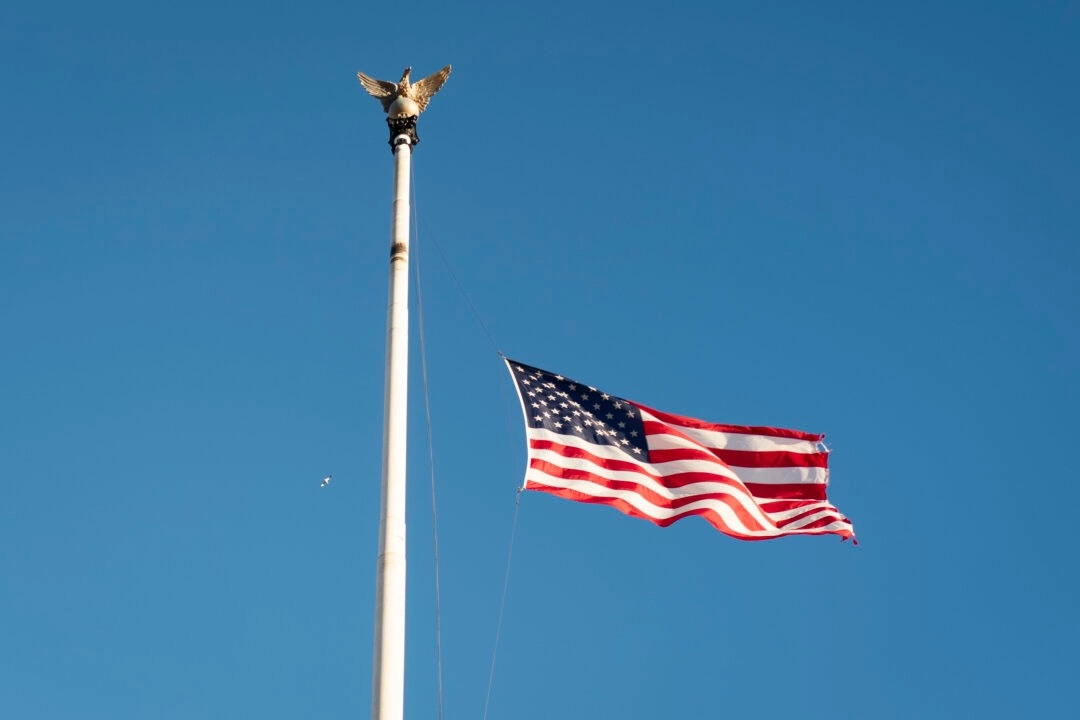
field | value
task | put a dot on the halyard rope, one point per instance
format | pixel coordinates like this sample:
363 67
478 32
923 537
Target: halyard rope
431 460
502 602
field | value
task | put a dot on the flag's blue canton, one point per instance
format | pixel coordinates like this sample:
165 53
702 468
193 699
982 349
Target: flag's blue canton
563 406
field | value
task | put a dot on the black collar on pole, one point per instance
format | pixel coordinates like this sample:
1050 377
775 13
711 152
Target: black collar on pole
402 126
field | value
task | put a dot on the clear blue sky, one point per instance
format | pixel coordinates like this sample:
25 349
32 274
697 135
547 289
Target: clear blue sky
854 220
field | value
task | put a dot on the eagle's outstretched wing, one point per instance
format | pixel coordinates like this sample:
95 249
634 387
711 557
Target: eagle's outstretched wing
422 90
381 90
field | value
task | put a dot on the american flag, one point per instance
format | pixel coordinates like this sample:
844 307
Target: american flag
752 483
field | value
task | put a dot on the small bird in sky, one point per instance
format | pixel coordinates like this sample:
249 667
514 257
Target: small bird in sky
325 481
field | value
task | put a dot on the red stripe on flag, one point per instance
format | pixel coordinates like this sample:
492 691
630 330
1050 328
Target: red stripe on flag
772 459
709 515
742 458
799 491
739 429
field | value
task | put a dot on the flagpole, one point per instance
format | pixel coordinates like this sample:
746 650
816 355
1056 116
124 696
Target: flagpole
388 675
403 102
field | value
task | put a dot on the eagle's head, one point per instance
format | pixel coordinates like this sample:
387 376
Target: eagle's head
404 82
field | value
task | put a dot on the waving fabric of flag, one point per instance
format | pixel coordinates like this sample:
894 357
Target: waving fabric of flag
752 483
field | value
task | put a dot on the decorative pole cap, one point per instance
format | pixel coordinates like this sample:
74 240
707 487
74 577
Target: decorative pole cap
404 101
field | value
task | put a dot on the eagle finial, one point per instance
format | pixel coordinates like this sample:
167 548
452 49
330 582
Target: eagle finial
404 99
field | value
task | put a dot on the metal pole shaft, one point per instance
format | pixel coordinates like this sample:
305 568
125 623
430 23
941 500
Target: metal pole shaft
388 682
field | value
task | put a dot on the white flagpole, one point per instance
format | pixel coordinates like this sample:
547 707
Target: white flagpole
388 676
403 102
